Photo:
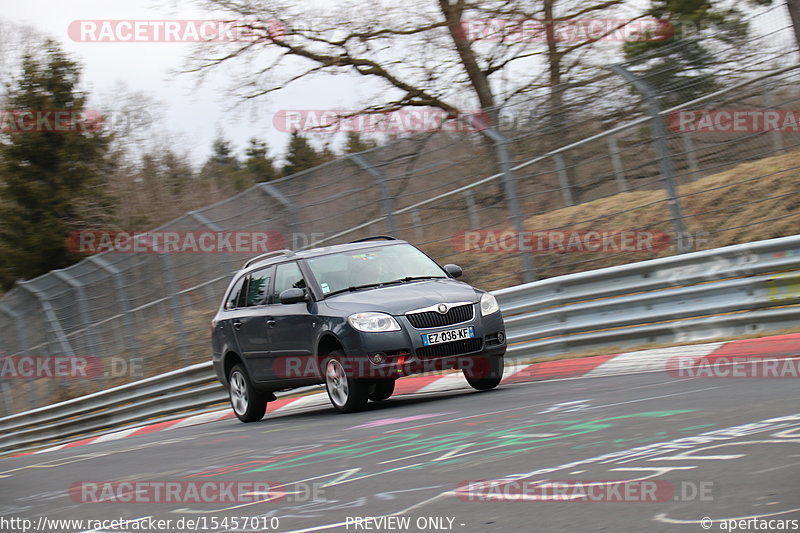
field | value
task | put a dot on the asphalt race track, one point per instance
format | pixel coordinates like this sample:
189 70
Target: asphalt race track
409 458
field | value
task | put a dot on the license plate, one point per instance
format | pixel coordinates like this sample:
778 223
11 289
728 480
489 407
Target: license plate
448 336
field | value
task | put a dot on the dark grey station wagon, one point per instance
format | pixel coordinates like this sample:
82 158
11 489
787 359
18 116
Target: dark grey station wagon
355 317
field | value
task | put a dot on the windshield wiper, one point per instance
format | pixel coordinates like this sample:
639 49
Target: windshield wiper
412 278
373 285
354 288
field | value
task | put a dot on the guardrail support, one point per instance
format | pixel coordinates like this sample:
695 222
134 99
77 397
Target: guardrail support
386 195
664 157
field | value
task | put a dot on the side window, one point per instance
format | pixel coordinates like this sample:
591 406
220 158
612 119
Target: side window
258 287
287 276
233 296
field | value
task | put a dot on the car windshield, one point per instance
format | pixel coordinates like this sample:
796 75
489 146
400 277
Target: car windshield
372 267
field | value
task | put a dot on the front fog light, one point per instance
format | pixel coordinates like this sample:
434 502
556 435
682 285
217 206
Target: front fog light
377 358
370 322
500 337
488 304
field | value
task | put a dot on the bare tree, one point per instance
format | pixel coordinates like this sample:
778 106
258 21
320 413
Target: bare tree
447 54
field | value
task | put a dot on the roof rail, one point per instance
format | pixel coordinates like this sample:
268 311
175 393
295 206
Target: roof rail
285 252
376 238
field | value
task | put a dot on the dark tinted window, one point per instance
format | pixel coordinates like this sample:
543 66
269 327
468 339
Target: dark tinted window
258 287
233 296
288 276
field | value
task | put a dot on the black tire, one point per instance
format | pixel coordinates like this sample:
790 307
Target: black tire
347 394
249 405
381 389
486 374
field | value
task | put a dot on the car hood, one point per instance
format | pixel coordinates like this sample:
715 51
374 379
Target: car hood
398 299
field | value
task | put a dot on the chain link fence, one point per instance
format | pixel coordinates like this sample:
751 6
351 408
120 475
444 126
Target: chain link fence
589 183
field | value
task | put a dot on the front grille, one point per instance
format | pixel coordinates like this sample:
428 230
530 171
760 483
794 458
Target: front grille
449 349
434 319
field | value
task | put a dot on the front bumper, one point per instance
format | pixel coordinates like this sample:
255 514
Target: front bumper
405 353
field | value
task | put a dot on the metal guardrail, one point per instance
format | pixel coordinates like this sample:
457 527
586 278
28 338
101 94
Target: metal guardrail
746 288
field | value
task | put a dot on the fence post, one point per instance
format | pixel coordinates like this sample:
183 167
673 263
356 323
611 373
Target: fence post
274 193
417 221
777 140
616 162
83 310
386 195
213 226
472 212
563 180
510 187
23 346
122 298
171 285
664 157
52 320
688 145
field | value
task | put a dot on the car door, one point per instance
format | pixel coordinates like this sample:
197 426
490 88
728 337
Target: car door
250 323
291 326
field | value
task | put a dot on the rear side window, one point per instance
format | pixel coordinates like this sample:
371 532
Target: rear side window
288 276
258 287
233 296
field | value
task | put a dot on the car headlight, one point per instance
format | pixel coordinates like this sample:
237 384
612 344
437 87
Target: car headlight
371 321
488 304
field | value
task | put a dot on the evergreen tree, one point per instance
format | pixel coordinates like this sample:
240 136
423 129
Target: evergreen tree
222 167
300 155
258 164
356 144
680 62
51 182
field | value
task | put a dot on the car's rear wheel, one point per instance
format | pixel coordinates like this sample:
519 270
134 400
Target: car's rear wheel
381 390
486 373
248 404
346 393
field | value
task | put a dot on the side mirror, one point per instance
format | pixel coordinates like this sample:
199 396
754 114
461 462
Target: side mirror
292 296
454 270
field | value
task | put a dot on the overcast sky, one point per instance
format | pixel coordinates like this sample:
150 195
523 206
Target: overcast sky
195 111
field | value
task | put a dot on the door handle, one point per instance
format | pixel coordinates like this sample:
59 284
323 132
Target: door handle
237 324
271 322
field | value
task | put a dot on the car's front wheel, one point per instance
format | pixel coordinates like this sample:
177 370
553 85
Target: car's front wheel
381 390
346 393
486 373
248 404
